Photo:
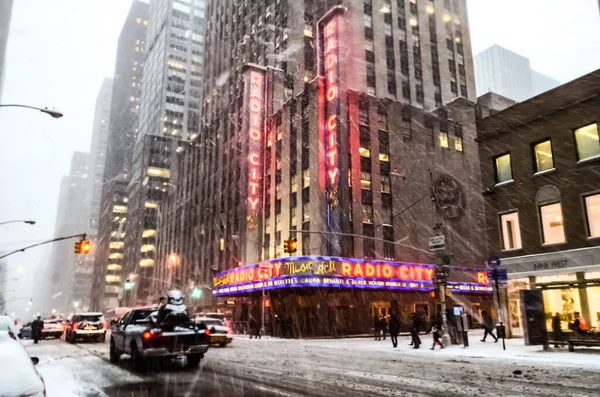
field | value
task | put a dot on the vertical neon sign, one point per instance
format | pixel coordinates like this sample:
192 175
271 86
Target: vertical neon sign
255 126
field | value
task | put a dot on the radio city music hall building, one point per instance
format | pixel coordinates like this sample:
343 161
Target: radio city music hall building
353 132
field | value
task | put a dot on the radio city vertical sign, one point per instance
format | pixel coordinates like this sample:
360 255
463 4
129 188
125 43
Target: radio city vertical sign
329 69
254 102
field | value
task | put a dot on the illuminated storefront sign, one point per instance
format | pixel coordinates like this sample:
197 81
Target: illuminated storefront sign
255 103
331 73
328 272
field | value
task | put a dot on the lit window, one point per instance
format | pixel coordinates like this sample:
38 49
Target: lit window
147 262
386 184
145 22
113 279
114 266
444 139
369 45
147 248
413 22
138 20
458 144
305 178
115 255
150 204
365 180
384 157
119 209
503 168
308 30
553 231
592 205
364 152
149 233
116 245
430 10
385 9
367 210
588 142
159 172
447 18
543 156
511 232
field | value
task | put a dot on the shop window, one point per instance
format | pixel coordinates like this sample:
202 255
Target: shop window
588 142
543 156
503 168
553 231
592 207
511 232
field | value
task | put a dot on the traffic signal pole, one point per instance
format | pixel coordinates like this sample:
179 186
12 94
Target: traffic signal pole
81 236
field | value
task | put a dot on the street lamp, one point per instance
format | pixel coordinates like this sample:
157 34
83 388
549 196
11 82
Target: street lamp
28 222
53 113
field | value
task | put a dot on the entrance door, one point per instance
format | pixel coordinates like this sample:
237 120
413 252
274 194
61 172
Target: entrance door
380 308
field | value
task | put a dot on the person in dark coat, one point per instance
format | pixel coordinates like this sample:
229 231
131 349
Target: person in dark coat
254 327
414 330
36 329
383 325
436 330
394 329
451 324
556 329
377 328
488 326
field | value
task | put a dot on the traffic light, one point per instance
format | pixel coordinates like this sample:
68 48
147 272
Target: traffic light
286 246
77 249
86 246
292 245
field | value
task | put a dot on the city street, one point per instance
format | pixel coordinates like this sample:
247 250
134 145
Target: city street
341 367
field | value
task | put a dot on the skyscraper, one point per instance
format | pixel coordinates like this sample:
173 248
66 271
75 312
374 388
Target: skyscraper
5 16
169 119
123 129
509 74
344 124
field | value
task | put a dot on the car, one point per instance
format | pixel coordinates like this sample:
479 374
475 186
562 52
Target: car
145 343
88 326
220 334
25 331
19 376
52 328
7 324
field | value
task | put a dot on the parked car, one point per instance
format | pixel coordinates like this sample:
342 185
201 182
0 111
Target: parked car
25 331
220 334
136 336
52 328
88 326
19 376
7 324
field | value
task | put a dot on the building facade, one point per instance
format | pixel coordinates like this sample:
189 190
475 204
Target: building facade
5 17
509 74
539 166
361 148
169 122
107 290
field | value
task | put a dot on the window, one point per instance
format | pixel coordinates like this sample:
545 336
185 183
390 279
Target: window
367 210
543 156
592 207
305 178
511 232
386 187
588 143
365 180
503 168
458 144
553 231
444 139
364 152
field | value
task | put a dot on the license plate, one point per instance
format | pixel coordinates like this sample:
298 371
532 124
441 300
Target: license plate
90 327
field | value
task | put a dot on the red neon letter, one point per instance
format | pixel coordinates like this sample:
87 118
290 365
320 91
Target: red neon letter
255 94
331 123
346 269
358 271
332 157
254 106
331 44
370 270
403 272
254 158
330 29
387 271
256 80
429 273
255 134
253 202
253 187
333 175
331 93
329 61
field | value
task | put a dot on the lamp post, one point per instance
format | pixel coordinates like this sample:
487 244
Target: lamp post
53 113
27 222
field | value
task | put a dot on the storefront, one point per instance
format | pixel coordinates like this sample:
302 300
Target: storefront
315 295
570 281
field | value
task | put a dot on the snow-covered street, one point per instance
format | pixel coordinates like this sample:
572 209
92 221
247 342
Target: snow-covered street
340 367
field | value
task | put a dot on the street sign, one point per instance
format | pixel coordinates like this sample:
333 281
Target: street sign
437 243
493 262
502 274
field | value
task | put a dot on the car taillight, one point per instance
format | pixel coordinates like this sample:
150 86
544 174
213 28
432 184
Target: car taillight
207 332
230 331
75 327
43 329
147 335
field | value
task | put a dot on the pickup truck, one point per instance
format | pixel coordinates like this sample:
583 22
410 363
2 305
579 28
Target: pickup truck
135 336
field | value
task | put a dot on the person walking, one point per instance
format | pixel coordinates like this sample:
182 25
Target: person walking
488 326
394 329
556 330
436 329
36 329
383 326
254 327
377 327
414 331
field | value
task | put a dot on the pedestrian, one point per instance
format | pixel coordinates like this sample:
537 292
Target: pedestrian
580 326
377 328
488 326
436 329
464 324
451 324
394 329
36 329
556 330
254 327
383 326
414 331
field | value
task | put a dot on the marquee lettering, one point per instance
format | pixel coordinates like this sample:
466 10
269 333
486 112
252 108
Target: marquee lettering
255 106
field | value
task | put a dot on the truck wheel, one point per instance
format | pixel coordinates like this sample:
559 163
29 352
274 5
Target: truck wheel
113 354
194 360
137 362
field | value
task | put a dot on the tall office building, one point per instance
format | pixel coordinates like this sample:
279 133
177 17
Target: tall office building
3 289
169 120
123 129
5 16
347 124
509 74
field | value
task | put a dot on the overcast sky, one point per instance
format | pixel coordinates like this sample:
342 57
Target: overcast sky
60 51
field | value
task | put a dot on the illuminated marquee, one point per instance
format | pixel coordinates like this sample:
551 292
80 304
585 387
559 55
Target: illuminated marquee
331 70
255 126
